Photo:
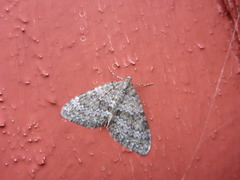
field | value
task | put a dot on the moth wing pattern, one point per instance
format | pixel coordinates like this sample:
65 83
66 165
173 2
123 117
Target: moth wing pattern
129 125
91 109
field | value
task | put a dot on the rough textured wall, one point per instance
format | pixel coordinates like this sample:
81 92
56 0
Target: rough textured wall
54 50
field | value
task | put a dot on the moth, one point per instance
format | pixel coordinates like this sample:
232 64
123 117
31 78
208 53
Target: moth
116 106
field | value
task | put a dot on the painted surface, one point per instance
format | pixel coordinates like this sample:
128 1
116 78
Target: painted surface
54 50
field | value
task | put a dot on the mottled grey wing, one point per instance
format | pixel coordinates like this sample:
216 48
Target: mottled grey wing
129 125
91 109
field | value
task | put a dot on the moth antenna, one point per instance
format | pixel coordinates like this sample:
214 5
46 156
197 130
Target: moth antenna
149 84
114 74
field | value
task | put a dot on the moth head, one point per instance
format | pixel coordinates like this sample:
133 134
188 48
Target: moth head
128 79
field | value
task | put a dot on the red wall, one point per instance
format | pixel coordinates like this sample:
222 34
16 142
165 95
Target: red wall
51 51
